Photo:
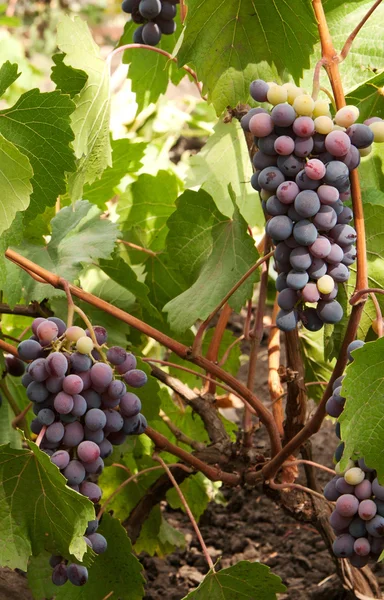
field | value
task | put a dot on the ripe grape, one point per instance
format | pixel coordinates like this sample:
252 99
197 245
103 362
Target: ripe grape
339 523
304 127
362 547
46 416
36 323
261 160
343 546
325 219
279 228
315 169
114 421
55 432
283 115
284 145
307 203
92 398
96 467
318 143
246 119
150 9
336 255
29 350
290 165
94 436
63 403
300 259
99 543
61 326
77 574
73 435
36 426
88 451
56 364
14 365
37 392
267 145
343 235
286 320
330 312
340 273
95 419
72 384
116 355
333 408
304 182
375 526
304 232
336 174
321 247
91 491
80 362
330 492
337 143
347 505
287 192
270 178
101 375
61 459
135 378
310 293
354 346
79 405
151 34
363 490
59 575
346 216
258 90
311 320
106 448
275 207
303 146
37 370
317 269
84 345
46 332
261 124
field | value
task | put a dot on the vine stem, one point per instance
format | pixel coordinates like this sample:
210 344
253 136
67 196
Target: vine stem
40 436
276 391
293 486
348 44
20 417
362 292
132 478
187 510
316 78
214 346
303 461
180 435
140 248
125 47
180 349
196 347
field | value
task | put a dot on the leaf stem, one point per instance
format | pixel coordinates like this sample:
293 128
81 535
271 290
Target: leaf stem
363 292
303 461
347 46
40 436
188 511
214 346
136 247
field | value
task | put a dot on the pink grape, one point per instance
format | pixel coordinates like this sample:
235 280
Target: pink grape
88 451
337 143
315 169
101 375
91 491
63 403
73 384
261 125
46 332
347 505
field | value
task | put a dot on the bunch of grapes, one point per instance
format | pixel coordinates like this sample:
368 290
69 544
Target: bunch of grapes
156 17
358 518
302 171
81 399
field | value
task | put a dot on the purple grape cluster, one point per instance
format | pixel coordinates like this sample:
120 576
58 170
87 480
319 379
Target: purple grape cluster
155 17
302 168
358 517
80 396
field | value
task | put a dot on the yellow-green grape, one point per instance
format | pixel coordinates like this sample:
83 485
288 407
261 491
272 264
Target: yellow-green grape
84 345
265 194
325 284
338 128
346 116
354 476
304 105
74 333
293 91
377 129
340 471
321 108
323 124
365 151
277 94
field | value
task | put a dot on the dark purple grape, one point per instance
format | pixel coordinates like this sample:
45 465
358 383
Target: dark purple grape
116 355
306 183
61 459
352 158
251 113
29 350
79 405
80 362
311 320
14 366
304 232
92 398
325 219
279 228
300 260
46 416
85 376
303 146
287 299
54 384
118 438
92 527
360 135
114 421
96 467
36 323
340 273
106 448
377 489
88 451
94 436
307 204
74 434
56 364
262 161
354 346
95 419
59 575
337 174
55 560
281 282
363 490
101 375
93 492
99 543
55 432
343 487
168 11
375 526
283 115
270 178
26 379
336 255
310 293
290 165
63 403
46 332
333 408
77 574
344 235
330 312
343 545
287 320
61 326
37 392
347 505
267 144
73 384
338 522
151 34
357 528
74 472
318 143
358 561
330 492
287 192
258 90
129 5
36 426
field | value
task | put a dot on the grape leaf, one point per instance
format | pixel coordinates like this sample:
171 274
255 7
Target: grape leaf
68 80
117 570
126 158
157 536
240 40
38 511
8 435
40 577
8 75
78 235
90 121
242 581
213 167
316 368
15 182
164 279
371 170
214 252
38 125
195 493
369 98
362 418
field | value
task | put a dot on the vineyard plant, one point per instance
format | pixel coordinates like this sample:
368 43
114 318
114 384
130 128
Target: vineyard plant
192 297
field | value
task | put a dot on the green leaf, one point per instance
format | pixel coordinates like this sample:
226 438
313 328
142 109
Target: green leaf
334 334
8 435
90 121
214 252
126 158
38 125
213 167
8 75
239 41
68 80
116 570
145 208
369 98
38 511
371 170
316 368
150 72
195 494
15 182
40 577
242 581
164 279
78 236
157 536
362 418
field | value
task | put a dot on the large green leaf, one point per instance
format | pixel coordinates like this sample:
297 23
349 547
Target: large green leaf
362 418
117 570
214 252
78 236
15 182
90 121
222 161
242 581
231 43
369 98
371 170
39 126
38 511
126 159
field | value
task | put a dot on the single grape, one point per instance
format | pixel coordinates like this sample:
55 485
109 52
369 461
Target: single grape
339 452
74 434
92 398
130 405
304 127
287 192
349 257
336 174
46 332
307 204
96 467
55 432
303 146
304 232
351 159
361 462
261 161
321 247
319 143
317 269
283 115
270 178
100 334
95 419
29 350
346 216
80 362
59 575
36 426
323 125
114 421
343 235
367 509
261 124
287 320
93 492
330 492
106 448
305 183
375 526
94 436
343 545
116 355
362 547
315 169
363 490
246 118
79 405
310 319
304 105
37 370
55 560
258 90
343 487
77 574
354 346
37 392
290 165
63 403
277 94
61 326
36 323
337 143
330 312
377 129
151 34
339 273
101 375
73 384
61 459
74 333
281 282
26 379
284 145
74 472
325 219
335 256
99 543
135 378
346 116
300 260
310 293
84 345
275 208
321 107
56 364
347 505
333 408
325 284
15 366
88 451
279 228
46 416
287 299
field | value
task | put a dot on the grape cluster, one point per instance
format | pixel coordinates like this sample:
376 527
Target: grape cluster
156 17
81 399
358 518
302 171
